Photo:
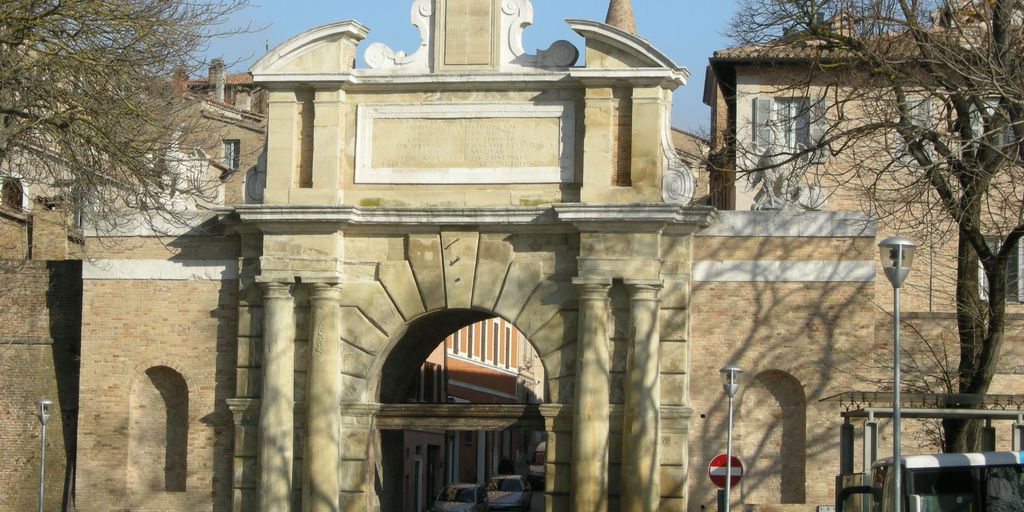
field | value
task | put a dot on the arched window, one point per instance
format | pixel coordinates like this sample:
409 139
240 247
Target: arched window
774 421
158 433
11 193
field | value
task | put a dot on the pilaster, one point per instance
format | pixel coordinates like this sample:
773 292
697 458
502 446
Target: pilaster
590 411
641 418
281 133
323 401
277 401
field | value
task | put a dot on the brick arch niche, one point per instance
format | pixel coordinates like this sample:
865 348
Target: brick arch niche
158 432
774 422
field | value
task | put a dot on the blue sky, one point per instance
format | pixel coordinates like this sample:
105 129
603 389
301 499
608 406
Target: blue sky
688 31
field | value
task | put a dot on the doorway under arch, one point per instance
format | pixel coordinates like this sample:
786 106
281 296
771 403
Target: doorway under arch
483 421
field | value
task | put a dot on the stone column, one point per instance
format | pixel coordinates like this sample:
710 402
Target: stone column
642 418
277 401
590 411
322 461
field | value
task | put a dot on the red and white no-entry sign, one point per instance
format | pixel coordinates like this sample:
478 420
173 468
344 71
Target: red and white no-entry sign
716 470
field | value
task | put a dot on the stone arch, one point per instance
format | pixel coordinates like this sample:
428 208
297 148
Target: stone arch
158 432
773 419
447 281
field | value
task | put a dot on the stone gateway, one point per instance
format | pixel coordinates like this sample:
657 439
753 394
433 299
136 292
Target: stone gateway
273 343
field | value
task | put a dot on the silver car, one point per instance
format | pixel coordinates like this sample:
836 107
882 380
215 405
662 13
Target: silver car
462 498
509 492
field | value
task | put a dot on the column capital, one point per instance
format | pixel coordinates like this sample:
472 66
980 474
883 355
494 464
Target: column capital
592 283
276 290
644 289
324 292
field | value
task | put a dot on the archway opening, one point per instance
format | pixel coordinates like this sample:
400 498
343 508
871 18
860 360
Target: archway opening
469 385
158 432
774 418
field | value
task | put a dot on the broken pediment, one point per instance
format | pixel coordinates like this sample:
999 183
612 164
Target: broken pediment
327 49
471 35
610 47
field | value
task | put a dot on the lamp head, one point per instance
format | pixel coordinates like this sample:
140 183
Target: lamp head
897 254
730 379
44 410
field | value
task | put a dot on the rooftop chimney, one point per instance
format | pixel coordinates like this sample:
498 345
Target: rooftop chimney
217 78
620 15
179 79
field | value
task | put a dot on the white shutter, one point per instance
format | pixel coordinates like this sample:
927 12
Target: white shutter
993 244
819 127
1020 272
762 118
919 113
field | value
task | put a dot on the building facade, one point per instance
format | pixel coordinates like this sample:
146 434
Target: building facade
284 351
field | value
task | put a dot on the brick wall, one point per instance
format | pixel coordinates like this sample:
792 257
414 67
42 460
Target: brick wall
39 348
129 328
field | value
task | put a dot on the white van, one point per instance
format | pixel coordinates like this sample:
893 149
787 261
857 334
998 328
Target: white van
949 482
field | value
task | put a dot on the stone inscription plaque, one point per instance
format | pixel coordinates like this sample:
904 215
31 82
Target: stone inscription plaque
467 32
465 143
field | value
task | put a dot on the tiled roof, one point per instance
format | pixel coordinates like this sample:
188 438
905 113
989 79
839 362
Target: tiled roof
231 79
782 50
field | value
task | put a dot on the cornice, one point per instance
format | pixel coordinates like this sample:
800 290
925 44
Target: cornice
584 217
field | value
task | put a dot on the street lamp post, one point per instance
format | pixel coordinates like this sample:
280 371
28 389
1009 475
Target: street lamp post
897 255
44 416
730 382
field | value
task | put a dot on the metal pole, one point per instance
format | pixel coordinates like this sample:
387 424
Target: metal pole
42 466
728 457
896 455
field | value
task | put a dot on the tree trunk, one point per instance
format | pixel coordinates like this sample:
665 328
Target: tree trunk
964 435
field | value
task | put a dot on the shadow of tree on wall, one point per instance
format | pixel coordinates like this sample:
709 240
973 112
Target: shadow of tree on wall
798 342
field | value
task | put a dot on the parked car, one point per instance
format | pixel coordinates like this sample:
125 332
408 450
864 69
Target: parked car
536 469
509 492
462 498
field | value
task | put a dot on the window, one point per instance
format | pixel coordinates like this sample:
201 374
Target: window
508 347
12 194
485 342
496 333
1014 288
919 114
994 117
793 118
789 124
469 339
232 150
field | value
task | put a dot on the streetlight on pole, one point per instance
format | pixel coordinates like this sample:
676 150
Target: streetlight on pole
730 382
897 255
44 416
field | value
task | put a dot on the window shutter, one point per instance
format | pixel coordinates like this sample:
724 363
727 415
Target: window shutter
819 127
993 244
762 123
1020 272
919 113
920 110
1016 273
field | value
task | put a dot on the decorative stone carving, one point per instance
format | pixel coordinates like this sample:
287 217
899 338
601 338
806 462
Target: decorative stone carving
677 182
256 180
381 56
782 186
516 15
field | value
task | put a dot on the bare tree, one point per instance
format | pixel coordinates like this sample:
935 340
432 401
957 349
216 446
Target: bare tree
89 114
917 107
